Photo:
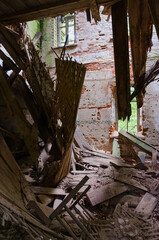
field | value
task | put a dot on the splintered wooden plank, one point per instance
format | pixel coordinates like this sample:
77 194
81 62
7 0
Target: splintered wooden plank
69 197
22 124
48 191
41 210
154 7
138 142
146 205
140 22
106 192
129 181
121 55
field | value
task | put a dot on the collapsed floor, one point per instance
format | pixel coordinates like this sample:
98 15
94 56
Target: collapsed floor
103 197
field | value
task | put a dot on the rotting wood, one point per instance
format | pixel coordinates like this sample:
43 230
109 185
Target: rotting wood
104 193
138 142
121 55
146 205
68 198
140 34
14 190
48 191
154 8
129 181
41 210
22 124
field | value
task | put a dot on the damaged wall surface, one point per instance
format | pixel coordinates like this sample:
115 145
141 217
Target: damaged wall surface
97 117
151 101
94 48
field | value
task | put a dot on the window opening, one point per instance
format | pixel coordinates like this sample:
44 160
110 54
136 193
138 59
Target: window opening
66 25
135 121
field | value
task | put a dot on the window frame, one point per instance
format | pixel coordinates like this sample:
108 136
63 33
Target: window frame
138 119
67 18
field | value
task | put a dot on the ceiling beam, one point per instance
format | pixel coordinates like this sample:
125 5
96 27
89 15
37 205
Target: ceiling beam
48 10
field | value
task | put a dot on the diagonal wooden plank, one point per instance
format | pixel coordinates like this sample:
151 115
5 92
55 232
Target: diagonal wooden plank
121 55
68 198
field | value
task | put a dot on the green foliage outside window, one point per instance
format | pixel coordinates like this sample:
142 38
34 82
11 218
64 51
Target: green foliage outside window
131 125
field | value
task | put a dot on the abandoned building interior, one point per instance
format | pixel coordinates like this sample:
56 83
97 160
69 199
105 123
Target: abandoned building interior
79 119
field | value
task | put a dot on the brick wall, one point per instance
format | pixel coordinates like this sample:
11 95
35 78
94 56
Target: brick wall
94 48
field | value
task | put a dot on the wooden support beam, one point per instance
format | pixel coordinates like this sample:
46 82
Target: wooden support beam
53 9
121 54
154 8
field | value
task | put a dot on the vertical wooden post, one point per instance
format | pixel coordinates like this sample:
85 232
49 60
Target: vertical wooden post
121 55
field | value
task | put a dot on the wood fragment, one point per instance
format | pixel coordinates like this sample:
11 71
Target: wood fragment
121 55
41 210
48 191
129 181
146 205
106 192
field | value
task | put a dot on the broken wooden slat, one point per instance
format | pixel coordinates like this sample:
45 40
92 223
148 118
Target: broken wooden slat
138 142
41 210
146 205
140 33
129 181
9 62
80 197
11 51
154 7
22 124
48 191
154 160
121 54
67 227
68 198
82 227
106 192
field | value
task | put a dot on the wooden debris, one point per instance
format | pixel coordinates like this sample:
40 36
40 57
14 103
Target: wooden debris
104 193
121 55
146 205
129 181
41 210
48 191
154 7
138 142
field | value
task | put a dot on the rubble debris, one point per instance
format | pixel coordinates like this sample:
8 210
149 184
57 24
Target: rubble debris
106 192
146 205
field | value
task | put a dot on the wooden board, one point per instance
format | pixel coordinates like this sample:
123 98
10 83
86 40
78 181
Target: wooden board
129 181
138 142
154 7
48 191
146 205
121 56
106 192
41 210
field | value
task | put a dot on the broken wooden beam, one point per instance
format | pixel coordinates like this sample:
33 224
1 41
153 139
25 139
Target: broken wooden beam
69 197
154 8
48 191
121 55
138 142
106 192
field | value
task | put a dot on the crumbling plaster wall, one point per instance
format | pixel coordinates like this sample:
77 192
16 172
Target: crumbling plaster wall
151 100
93 48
